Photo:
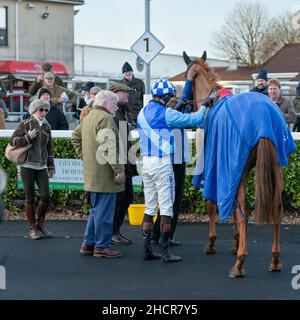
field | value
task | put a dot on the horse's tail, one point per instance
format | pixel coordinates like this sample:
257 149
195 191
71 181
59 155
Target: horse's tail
268 187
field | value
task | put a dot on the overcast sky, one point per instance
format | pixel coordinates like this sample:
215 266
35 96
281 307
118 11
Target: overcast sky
178 24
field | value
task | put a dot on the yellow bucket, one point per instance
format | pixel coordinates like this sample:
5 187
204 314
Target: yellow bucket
136 214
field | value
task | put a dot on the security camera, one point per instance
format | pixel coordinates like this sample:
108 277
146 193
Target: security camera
30 6
45 15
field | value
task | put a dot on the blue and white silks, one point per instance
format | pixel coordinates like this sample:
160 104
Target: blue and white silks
160 131
234 126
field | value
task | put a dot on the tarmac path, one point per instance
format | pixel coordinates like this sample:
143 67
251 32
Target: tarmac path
50 269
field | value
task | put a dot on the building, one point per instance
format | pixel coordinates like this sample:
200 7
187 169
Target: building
103 65
38 30
283 65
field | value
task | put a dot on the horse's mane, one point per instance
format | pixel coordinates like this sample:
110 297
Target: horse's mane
212 76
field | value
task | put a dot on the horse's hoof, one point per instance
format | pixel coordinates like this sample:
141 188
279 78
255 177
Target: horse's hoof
236 273
209 250
275 267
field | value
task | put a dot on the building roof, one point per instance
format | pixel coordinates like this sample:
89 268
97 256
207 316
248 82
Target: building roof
73 2
242 73
285 60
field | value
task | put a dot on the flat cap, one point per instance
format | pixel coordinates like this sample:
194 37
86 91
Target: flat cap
115 87
49 75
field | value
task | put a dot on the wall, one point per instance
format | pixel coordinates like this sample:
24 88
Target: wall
102 64
50 39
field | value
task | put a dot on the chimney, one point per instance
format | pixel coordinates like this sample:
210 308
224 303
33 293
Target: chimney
233 64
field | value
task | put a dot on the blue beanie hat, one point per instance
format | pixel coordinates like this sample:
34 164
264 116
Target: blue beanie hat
89 85
126 67
262 75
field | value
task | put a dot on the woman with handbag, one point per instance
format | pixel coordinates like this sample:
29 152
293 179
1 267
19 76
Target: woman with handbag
38 165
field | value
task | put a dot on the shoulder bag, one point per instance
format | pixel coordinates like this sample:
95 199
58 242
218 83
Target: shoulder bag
17 154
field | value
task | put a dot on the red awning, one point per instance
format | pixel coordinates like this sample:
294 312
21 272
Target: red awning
30 67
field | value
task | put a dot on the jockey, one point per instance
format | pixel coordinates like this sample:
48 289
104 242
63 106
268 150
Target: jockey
158 127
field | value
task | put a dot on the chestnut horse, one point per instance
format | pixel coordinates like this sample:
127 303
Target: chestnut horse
252 151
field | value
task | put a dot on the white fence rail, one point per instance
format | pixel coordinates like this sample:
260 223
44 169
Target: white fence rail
134 133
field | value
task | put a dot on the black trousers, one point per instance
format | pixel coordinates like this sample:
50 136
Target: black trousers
29 177
296 127
123 201
179 177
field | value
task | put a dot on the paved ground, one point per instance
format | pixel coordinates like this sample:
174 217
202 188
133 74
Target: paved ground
54 269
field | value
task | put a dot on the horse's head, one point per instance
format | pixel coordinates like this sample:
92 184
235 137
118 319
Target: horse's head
205 80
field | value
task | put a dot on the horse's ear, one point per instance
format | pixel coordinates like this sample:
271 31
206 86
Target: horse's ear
204 56
186 58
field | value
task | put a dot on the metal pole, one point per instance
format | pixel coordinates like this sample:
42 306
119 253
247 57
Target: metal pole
82 60
17 30
147 28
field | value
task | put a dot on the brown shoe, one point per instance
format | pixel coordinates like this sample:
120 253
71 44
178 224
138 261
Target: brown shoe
106 253
87 250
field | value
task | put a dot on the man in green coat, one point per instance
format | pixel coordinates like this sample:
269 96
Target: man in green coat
96 142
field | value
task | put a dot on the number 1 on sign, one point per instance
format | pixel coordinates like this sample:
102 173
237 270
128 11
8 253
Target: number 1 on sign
147 44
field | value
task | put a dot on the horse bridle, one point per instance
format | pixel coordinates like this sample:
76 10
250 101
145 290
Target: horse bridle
212 94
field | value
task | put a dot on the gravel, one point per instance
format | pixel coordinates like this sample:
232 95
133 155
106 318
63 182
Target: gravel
75 213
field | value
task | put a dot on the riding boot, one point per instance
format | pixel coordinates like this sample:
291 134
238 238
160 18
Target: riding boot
166 255
41 214
33 232
148 254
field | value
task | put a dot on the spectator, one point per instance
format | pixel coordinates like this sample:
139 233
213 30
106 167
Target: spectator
103 175
296 102
3 94
123 198
39 165
136 96
2 121
64 99
55 117
86 110
86 91
261 83
157 126
39 82
285 105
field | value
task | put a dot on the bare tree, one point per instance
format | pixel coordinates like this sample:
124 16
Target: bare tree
280 31
242 33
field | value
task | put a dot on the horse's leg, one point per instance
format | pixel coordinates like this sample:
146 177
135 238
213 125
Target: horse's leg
236 234
212 212
242 215
275 264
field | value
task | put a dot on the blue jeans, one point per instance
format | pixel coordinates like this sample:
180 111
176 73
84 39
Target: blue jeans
98 230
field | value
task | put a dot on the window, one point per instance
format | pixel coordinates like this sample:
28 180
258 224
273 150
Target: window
3 26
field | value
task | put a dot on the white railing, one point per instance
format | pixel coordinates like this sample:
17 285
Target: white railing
68 134
22 112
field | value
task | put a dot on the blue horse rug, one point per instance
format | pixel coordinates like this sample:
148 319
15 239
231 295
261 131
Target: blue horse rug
234 126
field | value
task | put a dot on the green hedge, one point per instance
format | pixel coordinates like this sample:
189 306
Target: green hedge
193 201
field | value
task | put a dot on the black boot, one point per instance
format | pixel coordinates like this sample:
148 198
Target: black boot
166 255
148 254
